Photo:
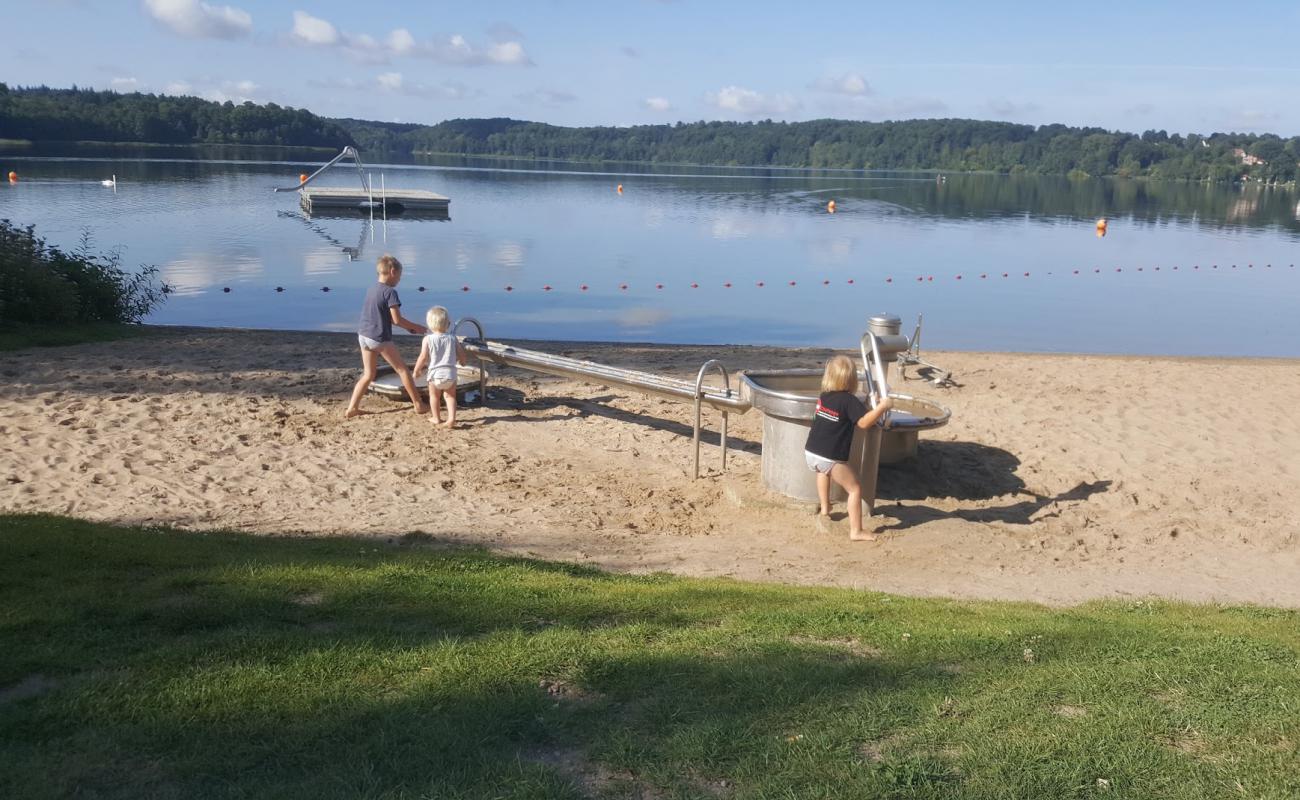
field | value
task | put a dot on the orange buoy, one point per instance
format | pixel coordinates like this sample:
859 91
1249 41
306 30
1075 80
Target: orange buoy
13 177
619 189
302 178
830 207
1101 227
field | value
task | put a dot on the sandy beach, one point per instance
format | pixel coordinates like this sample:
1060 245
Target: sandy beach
1060 479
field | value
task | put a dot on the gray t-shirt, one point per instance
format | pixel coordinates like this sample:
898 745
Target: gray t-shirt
442 356
376 320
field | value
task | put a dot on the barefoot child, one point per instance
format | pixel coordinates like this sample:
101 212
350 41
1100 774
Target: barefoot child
441 352
839 412
380 312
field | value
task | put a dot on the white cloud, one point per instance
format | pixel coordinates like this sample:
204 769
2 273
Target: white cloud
400 41
125 84
751 103
232 91
507 53
659 104
200 20
851 84
209 89
313 30
390 81
367 49
457 50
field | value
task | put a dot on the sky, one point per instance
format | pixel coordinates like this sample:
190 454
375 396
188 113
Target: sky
1188 66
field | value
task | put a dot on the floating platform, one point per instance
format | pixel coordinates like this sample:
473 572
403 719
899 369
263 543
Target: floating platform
324 199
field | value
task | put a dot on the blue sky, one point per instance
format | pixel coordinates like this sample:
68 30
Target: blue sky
1185 66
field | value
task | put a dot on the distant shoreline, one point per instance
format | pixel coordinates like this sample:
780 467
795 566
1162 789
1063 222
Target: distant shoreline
27 144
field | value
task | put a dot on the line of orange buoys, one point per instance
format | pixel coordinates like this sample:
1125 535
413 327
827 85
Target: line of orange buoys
850 281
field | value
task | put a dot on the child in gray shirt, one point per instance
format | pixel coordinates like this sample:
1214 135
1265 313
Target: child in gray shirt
440 352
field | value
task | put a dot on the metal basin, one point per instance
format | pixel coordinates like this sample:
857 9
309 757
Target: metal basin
792 394
788 400
387 384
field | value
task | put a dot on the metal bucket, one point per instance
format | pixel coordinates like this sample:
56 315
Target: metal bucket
787 400
885 325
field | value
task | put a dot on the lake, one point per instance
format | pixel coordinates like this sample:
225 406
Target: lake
993 262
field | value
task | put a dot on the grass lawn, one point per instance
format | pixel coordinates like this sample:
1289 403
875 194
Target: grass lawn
151 663
18 337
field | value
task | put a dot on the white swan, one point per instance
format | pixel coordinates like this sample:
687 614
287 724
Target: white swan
111 182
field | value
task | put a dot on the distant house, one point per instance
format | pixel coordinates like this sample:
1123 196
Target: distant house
1246 158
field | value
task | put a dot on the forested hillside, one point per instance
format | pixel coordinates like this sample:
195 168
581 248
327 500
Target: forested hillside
43 114
944 144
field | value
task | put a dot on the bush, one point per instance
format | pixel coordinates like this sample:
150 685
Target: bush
44 285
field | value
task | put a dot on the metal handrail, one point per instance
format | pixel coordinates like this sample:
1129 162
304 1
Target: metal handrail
878 386
482 367
699 396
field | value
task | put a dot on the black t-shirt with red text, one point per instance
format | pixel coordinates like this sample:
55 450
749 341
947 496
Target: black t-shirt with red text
832 429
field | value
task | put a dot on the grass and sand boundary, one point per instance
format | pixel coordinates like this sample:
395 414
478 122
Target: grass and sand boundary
160 663
351 658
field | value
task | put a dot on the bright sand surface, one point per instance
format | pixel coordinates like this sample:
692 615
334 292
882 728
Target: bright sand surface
1060 478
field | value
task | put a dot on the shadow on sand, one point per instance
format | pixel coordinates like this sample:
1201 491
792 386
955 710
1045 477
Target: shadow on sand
967 471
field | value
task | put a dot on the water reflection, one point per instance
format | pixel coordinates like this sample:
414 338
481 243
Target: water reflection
195 272
352 252
212 225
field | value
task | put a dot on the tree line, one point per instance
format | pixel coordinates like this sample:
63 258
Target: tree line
43 114
955 145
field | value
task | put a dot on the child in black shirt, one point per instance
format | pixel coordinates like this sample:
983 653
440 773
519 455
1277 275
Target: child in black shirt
839 413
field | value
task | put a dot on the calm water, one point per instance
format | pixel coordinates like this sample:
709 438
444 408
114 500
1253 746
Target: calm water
212 225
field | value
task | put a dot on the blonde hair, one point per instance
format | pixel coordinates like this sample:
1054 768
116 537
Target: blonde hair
387 265
840 375
436 319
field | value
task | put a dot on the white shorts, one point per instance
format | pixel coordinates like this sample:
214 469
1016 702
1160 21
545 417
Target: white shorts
369 344
818 463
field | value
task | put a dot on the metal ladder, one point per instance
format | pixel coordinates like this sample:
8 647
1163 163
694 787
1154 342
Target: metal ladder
873 368
699 394
482 366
